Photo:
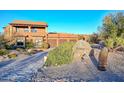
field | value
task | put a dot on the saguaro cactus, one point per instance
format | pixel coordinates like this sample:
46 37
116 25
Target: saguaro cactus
103 59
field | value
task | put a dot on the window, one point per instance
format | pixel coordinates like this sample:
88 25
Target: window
38 42
17 29
33 30
26 30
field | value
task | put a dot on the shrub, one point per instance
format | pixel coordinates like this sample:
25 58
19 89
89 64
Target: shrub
3 52
20 49
119 41
109 43
60 55
94 38
8 46
12 55
29 45
112 43
45 45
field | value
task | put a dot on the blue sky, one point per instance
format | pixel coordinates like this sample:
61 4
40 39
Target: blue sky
66 21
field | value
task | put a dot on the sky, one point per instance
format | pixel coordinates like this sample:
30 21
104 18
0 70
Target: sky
63 21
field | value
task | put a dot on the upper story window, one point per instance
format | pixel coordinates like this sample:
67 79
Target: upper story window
26 30
17 29
33 30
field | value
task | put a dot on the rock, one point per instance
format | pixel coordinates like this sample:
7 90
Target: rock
80 49
103 59
119 48
91 52
1 58
13 52
29 50
45 58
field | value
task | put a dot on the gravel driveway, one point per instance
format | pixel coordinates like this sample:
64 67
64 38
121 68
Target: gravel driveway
21 69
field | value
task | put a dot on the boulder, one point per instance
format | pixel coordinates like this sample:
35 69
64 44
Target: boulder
29 50
80 49
1 58
13 52
119 48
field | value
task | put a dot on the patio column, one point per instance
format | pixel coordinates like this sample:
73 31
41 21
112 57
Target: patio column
29 27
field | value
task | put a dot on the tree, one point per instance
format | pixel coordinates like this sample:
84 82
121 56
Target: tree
112 30
2 41
94 38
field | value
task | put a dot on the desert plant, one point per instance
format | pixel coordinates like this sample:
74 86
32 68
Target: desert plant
45 45
12 55
29 45
94 38
3 52
119 41
109 43
60 55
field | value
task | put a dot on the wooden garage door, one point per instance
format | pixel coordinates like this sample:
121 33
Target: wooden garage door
52 42
62 41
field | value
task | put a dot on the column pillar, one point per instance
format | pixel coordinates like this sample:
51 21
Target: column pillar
29 27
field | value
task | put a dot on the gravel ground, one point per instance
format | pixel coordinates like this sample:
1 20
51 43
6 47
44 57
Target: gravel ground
30 69
22 68
84 71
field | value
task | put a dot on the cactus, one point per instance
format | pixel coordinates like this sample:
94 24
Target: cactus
103 59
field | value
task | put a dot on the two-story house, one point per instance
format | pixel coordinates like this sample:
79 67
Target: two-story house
21 32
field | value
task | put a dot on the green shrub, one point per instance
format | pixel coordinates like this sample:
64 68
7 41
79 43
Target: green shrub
94 38
29 45
8 46
112 43
109 43
60 55
119 41
12 55
45 45
20 49
3 52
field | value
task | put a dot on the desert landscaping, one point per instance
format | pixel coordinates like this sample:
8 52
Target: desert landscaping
99 58
85 70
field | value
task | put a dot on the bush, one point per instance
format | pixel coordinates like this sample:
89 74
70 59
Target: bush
8 46
94 38
12 55
45 45
20 49
113 43
60 55
29 45
119 41
3 52
109 43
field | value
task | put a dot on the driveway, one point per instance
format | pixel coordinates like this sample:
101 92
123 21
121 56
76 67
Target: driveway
22 69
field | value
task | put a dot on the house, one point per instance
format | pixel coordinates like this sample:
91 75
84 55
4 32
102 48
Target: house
20 31
55 39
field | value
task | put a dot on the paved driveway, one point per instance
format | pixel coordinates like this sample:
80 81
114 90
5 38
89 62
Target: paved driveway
21 69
